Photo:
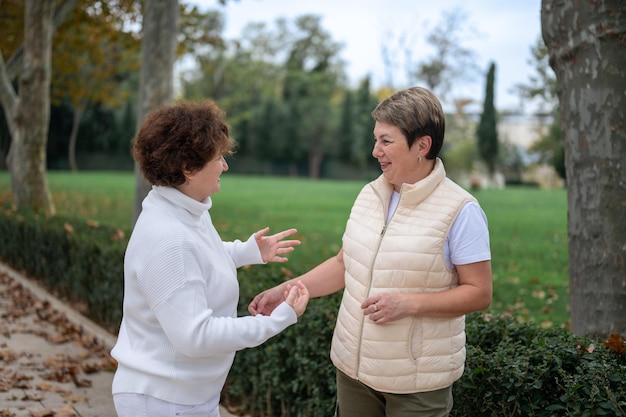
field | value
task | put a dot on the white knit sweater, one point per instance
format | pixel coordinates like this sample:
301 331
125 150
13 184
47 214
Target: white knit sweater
180 329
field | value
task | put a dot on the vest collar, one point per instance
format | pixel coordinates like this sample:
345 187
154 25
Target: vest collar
412 193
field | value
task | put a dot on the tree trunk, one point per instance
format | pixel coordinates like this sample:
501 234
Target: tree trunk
586 45
316 158
27 157
8 99
8 71
315 165
71 151
158 52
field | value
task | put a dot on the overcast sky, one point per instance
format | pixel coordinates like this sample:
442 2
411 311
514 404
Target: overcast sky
504 30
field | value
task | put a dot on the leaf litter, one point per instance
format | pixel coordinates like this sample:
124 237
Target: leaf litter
24 376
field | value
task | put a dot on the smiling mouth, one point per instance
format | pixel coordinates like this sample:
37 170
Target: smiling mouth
384 165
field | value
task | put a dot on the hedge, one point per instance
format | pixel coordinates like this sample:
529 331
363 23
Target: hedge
512 369
79 261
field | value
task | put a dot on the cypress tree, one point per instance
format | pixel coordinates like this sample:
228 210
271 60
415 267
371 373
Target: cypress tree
363 143
487 132
345 133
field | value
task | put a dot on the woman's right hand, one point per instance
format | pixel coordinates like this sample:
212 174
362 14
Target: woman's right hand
265 302
297 296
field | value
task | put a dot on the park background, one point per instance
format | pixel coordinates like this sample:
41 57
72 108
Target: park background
297 109
304 135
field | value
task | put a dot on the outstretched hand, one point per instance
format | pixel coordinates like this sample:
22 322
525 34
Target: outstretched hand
273 246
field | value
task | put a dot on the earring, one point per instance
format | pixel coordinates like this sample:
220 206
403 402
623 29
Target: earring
419 159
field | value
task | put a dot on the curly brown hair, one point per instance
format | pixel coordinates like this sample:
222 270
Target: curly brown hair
180 137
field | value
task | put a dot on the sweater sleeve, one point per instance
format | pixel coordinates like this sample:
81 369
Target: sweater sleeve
244 253
195 331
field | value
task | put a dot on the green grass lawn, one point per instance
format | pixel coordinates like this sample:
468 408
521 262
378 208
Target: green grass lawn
528 227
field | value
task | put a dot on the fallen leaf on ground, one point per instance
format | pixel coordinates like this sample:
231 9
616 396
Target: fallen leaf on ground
43 413
67 411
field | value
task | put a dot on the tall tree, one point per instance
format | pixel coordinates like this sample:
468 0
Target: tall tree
93 54
12 22
487 130
311 81
158 53
265 129
346 127
28 117
353 142
541 88
363 143
451 61
244 77
586 45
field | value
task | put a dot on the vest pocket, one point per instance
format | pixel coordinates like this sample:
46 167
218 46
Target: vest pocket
416 339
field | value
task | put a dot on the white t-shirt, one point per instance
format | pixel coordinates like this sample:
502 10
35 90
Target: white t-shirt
468 240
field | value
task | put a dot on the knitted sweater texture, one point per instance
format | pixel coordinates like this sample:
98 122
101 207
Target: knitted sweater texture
180 329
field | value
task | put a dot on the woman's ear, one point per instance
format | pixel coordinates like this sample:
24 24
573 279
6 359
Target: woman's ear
424 144
187 173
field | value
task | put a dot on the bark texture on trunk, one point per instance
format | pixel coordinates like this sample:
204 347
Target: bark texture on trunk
27 157
158 52
587 45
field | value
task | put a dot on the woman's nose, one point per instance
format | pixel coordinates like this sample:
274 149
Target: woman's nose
376 151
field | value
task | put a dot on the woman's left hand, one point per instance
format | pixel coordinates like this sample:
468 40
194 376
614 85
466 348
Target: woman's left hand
385 307
274 245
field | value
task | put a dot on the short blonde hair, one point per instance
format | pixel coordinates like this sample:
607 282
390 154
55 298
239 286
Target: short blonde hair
417 112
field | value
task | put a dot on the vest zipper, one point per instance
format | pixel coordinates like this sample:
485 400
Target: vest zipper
371 273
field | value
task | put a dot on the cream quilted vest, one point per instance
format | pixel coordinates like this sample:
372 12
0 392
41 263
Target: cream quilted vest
413 354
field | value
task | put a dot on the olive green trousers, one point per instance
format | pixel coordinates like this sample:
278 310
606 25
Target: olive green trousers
355 399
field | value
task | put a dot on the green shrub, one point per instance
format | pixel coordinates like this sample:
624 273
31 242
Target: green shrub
291 374
79 261
512 369
518 369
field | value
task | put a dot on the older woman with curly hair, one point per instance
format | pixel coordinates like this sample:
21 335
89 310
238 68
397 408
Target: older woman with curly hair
180 329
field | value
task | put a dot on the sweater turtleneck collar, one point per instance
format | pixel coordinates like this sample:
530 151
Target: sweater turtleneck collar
183 201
